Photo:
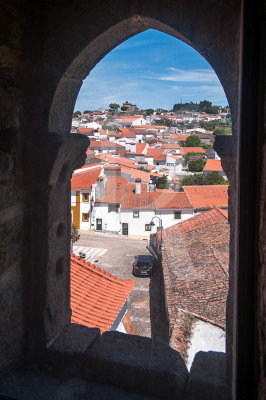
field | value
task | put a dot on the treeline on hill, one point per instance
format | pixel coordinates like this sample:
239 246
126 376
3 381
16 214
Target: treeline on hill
202 106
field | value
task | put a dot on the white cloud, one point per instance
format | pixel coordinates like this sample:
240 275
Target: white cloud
194 75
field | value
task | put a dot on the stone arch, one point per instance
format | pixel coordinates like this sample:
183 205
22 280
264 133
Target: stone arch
210 40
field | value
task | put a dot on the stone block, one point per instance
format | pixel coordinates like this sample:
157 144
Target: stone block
65 354
138 364
207 379
75 339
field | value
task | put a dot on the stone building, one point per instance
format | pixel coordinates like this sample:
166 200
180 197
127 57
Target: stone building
132 108
47 49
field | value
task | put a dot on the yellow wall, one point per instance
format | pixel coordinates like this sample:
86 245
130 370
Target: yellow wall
76 211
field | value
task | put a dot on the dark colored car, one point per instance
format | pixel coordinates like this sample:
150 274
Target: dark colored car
142 265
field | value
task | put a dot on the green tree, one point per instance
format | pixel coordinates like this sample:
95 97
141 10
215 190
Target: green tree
162 182
87 112
143 169
205 106
196 179
110 127
213 178
76 114
196 165
123 108
114 106
193 141
149 111
185 107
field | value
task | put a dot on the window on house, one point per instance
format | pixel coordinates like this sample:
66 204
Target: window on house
177 215
113 208
135 214
85 217
85 197
157 163
147 227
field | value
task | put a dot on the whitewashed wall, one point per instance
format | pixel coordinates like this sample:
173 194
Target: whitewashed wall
110 220
136 226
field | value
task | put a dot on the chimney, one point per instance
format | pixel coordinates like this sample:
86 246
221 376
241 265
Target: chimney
151 187
112 170
138 186
99 190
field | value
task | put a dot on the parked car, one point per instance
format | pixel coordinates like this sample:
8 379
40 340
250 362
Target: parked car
142 265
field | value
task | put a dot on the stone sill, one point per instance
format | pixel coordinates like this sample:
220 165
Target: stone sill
82 364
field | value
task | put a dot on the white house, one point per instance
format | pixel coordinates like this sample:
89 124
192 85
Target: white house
109 194
141 206
174 164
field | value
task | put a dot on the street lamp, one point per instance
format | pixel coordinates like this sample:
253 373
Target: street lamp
160 227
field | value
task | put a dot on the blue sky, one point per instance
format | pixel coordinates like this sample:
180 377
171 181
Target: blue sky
151 70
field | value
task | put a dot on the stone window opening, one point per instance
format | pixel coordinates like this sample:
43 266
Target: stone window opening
177 215
36 284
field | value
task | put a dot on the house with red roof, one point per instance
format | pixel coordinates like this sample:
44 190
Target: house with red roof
204 197
214 166
105 146
82 194
140 205
99 299
109 194
129 121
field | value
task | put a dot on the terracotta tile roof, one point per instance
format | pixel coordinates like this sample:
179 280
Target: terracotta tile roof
104 144
180 138
140 147
89 152
139 201
96 296
207 196
174 200
137 173
213 165
174 156
114 190
213 216
156 200
195 259
128 133
84 180
155 153
185 150
170 146
117 160
130 119
85 130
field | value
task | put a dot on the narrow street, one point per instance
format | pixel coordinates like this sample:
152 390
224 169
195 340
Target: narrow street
116 255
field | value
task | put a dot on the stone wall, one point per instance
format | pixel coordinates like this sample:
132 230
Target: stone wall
47 49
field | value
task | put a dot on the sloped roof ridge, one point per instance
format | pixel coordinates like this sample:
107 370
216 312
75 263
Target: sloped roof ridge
202 216
98 270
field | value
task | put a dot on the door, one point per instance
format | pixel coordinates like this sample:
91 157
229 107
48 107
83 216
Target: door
124 229
98 224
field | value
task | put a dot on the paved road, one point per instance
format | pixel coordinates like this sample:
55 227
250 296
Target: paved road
116 254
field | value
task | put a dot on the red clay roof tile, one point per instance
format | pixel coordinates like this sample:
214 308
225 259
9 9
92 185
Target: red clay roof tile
207 196
96 297
213 165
